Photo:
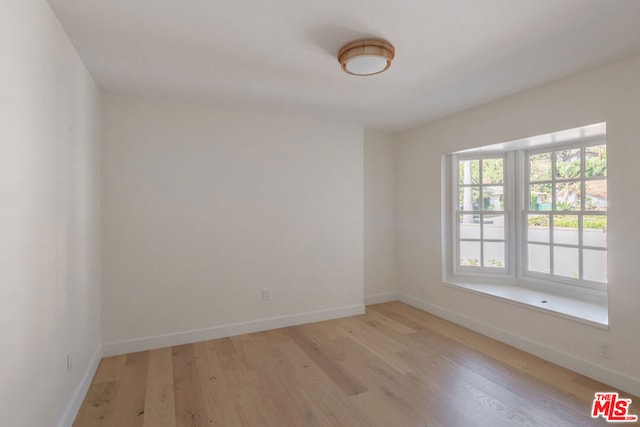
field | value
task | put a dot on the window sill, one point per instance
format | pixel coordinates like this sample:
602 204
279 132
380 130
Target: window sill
590 312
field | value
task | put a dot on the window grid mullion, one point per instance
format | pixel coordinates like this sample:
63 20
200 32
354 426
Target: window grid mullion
554 204
583 206
481 207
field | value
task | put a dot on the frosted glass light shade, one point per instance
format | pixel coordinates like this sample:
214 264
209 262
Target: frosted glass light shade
366 57
366 65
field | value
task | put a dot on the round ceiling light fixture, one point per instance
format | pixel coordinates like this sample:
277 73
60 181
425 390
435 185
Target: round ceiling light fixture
366 57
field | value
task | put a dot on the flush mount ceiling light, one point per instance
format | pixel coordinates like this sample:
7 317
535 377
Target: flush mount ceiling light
366 57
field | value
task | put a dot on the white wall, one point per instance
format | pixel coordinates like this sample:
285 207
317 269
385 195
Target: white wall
610 94
204 207
49 218
379 217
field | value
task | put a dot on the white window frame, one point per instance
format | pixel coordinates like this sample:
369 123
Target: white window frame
523 232
516 211
509 224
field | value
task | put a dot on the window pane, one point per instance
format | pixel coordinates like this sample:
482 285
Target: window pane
538 258
493 226
568 196
470 254
594 230
565 262
493 198
492 171
565 229
469 171
540 197
538 230
596 195
494 255
469 198
469 226
568 164
595 161
540 167
595 265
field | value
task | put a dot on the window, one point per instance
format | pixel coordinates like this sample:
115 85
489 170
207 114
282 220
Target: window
566 217
532 211
480 216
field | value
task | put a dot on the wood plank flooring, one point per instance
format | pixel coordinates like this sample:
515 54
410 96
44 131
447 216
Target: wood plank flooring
393 366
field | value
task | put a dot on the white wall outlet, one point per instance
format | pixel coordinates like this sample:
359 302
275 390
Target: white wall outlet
266 294
605 350
69 362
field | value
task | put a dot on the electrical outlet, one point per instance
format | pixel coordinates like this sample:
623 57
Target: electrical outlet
605 350
266 295
69 362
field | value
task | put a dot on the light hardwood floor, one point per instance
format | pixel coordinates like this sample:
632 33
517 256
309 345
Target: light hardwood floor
393 366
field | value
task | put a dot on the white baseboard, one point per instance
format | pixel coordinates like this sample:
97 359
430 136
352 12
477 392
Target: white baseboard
587 368
584 367
381 298
186 337
81 391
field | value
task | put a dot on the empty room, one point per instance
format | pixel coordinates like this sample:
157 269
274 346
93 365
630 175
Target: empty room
331 213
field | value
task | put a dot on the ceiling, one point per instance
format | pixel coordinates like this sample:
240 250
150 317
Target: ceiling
280 55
